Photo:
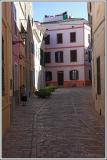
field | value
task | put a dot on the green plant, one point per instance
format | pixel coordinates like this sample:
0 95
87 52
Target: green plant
43 93
51 88
36 92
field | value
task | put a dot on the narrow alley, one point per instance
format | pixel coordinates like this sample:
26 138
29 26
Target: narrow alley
64 125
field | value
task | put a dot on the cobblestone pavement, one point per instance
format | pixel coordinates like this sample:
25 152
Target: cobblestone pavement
63 126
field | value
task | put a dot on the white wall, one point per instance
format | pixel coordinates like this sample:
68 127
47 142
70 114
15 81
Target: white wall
39 70
82 30
66 56
87 31
66 38
23 9
66 72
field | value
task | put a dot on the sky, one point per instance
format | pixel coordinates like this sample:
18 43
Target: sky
74 9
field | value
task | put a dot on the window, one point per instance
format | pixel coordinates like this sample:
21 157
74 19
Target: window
21 77
3 83
47 57
59 38
89 56
90 77
59 56
90 6
24 75
10 83
47 39
29 47
89 38
73 55
15 28
98 76
72 37
14 13
42 61
15 77
48 76
32 47
74 75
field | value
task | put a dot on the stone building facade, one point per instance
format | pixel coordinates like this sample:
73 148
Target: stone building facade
23 13
17 56
96 14
6 65
67 58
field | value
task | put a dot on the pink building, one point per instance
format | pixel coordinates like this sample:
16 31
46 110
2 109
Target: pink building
67 57
15 50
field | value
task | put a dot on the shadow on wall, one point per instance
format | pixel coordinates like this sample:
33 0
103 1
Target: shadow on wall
40 79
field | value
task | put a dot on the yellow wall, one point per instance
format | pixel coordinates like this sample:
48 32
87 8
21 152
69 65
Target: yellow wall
98 34
6 32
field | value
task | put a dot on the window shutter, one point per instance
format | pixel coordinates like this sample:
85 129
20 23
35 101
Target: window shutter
74 75
73 55
59 38
47 39
70 75
98 76
77 76
47 57
48 76
72 37
3 78
61 56
56 56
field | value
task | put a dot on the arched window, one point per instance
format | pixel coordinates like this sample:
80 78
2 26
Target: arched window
74 75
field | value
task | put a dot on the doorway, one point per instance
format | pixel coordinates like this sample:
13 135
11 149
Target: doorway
60 78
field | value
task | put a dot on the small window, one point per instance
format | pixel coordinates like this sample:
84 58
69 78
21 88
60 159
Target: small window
74 75
47 39
32 47
48 76
59 56
90 76
98 76
14 14
90 6
72 37
73 55
42 58
15 28
59 38
89 38
89 56
10 83
47 57
3 69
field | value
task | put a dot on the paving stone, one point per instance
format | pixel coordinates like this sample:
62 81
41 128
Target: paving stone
64 126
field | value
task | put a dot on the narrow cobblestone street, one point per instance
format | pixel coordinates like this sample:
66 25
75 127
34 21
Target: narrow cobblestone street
63 126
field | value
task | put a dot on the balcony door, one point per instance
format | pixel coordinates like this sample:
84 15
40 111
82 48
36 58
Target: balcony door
60 78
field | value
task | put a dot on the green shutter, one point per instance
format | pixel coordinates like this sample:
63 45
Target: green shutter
65 16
